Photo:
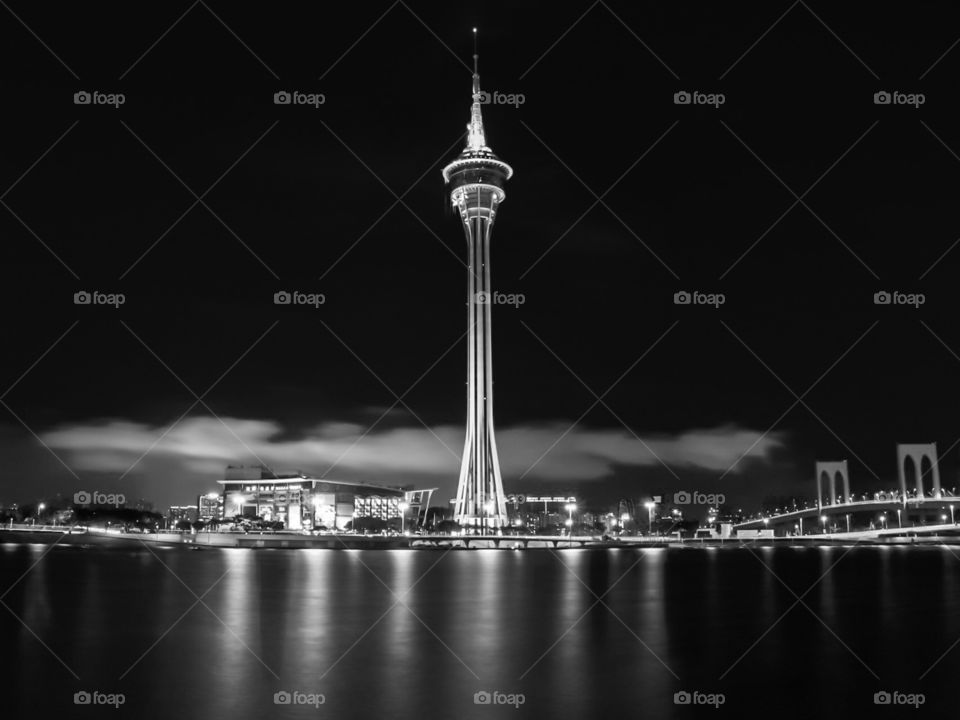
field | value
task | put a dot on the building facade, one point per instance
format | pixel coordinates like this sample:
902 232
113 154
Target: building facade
302 502
176 513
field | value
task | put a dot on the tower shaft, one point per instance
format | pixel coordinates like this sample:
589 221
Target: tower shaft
480 498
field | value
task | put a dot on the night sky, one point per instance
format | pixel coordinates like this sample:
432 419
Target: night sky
346 199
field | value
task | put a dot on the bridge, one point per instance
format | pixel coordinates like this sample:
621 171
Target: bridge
903 511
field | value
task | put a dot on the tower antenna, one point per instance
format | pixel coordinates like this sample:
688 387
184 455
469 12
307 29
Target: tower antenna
475 55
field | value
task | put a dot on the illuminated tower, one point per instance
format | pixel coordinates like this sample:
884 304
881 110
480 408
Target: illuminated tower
476 178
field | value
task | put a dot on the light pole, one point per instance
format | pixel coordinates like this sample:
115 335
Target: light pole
899 523
951 515
403 516
570 507
848 522
649 506
488 508
823 521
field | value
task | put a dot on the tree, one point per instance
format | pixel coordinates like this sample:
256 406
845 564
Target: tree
448 526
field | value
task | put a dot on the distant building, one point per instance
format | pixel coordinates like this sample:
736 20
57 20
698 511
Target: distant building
302 502
210 507
540 512
182 512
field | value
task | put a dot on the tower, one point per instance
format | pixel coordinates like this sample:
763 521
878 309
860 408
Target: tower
476 179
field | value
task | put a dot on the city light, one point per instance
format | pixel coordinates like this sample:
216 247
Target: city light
650 506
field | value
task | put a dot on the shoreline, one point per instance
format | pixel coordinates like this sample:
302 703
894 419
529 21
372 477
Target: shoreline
87 539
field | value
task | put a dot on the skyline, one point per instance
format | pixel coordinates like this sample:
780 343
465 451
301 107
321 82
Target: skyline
307 185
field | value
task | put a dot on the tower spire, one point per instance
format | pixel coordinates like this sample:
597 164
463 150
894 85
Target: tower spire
475 136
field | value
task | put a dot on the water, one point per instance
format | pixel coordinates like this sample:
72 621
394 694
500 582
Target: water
321 621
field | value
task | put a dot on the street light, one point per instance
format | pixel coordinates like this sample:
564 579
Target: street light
570 507
899 524
489 511
403 515
823 520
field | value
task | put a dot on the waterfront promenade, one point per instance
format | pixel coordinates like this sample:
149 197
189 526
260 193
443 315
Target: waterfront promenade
79 537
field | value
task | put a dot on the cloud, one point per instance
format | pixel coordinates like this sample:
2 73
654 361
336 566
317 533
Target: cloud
548 451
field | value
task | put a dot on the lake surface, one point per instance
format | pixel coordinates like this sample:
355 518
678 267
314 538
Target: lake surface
524 624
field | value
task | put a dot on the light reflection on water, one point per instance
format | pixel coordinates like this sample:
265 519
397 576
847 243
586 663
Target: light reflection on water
519 622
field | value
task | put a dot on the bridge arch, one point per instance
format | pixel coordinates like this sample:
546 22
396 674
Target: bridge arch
921 459
832 473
